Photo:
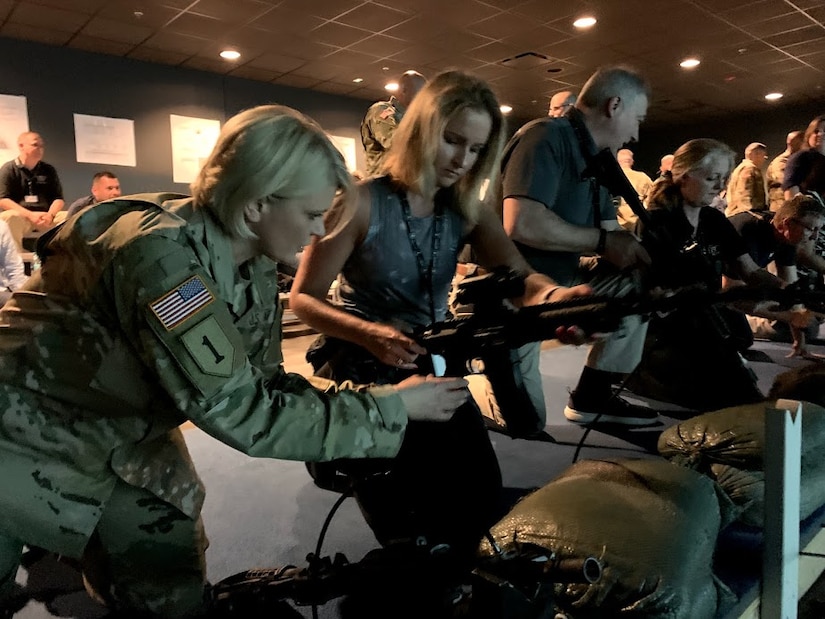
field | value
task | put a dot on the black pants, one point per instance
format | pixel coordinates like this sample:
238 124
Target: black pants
692 358
444 484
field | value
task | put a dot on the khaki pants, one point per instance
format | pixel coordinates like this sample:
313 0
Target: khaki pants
20 226
145 556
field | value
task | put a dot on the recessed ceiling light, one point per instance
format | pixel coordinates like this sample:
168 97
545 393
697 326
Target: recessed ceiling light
391 86
585 22
689 63
773 96
230 54
506 109
358 80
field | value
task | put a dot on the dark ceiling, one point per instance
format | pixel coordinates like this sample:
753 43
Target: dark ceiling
747 48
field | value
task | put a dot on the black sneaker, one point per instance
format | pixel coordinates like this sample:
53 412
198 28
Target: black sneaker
615 410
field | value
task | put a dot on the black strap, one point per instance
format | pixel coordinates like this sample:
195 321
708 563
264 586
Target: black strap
425 271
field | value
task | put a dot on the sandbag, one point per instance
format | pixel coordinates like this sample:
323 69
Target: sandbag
652 525
728 445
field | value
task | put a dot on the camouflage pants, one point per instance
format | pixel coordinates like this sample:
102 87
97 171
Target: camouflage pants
145 556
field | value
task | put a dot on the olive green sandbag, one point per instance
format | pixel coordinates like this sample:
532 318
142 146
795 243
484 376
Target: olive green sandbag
653 526
728 445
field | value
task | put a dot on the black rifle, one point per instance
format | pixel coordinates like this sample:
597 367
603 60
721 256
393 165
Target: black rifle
480 342
506 585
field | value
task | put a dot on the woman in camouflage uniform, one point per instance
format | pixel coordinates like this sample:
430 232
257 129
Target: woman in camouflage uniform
156 309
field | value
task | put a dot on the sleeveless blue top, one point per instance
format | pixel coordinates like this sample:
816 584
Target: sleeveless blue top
381 281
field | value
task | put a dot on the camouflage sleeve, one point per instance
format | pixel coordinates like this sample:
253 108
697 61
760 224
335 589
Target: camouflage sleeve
382 122
185 333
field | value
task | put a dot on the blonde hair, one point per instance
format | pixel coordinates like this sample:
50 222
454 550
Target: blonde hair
690 156
410 160
268 150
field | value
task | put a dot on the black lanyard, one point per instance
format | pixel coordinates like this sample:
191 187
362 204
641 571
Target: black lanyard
425 271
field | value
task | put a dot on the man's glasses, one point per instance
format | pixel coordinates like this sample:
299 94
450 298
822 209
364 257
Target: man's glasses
812 230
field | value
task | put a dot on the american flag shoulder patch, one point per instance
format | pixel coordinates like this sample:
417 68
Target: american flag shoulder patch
182 302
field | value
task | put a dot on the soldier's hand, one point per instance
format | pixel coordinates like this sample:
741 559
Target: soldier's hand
624 250
428 398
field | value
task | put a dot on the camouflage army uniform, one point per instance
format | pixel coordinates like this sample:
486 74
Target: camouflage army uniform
138 321
774 176
377 128
746 189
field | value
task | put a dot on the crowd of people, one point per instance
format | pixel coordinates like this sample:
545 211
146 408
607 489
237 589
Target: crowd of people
152 310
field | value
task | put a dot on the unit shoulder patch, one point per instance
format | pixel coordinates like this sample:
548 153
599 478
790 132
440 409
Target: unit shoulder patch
210 347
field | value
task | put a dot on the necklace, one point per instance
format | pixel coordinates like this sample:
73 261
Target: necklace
425 271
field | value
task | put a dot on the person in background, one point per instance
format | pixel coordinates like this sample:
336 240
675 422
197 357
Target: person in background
665 164
641 183
772 238
105 186
746 188
692 356
12 271
382 118
560 103
31 196
560 218
395 244
805 173
775 173
150 312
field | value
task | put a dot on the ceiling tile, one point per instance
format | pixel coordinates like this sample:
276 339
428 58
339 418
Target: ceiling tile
754 12
102 46
465 12
155 55
502 26
179 43
804 48
420 56
817 13
338 35
410 6
277 63
541 11
494 52
236 12
373 17
110 30
779 25
350 59
459 41
29 14
280 19
198 25
792 37
419 28
89 7
34 33
328 9
123 11
379 46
